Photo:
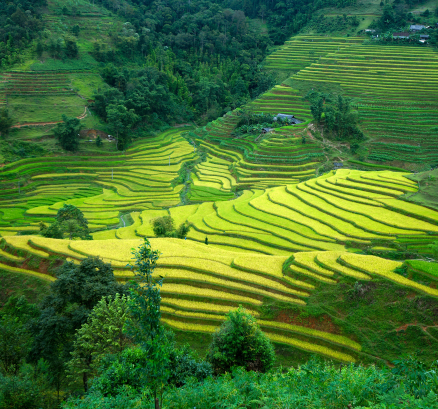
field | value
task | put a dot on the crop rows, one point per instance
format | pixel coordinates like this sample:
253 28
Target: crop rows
102 187
395 88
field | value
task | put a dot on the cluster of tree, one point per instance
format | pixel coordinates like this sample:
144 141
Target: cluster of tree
393 17
5 122
138 97
192 22
165 227
69 221
209 52
20 23
314 384
58 47
323 24
67 133
91 328
340 120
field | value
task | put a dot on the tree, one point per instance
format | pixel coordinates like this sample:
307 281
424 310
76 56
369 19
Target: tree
39 49
53 231
240 342
99 142
71 48
67 133
66 308
145 327
164 227
121 120
72 228
5 122
101 334
341 120
69 220
15 338
75 30
317 109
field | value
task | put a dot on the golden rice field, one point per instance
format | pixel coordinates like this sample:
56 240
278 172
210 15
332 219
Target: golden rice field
279 238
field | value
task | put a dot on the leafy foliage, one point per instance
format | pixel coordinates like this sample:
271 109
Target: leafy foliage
101 334
164 227
69 220
5 122
15 338
20 23
67 133
315 384
144 326
240 342
73 295
340 119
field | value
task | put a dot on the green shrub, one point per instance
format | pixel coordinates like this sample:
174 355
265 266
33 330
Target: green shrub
240 342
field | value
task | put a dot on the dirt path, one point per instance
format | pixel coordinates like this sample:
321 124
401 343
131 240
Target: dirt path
47 123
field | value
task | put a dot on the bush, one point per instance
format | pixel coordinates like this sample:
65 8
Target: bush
240 342
184 365
164 227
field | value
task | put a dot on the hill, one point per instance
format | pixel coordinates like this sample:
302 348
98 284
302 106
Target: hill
328 241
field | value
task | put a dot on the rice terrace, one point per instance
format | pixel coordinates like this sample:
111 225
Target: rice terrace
290 168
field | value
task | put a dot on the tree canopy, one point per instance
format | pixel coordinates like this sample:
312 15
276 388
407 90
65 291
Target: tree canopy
67 133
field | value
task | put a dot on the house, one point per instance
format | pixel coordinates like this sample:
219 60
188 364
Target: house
416 27
289 118
424 37
402 34
368 30
283 117
267 130
337 165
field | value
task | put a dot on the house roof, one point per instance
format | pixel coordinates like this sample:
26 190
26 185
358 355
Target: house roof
417 27
284 116
401 34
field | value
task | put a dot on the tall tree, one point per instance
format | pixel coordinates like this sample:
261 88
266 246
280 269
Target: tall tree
121 120
67 133
145 327
101 334
73 295
5 122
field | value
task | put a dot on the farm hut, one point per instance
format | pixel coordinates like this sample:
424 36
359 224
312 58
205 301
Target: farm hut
337 165
267 130
416 27
286 117
401 34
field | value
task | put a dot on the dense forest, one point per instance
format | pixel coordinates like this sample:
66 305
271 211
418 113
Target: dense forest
20 23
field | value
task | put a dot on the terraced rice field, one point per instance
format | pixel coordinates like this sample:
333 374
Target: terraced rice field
255 161
204 284
394 88
277 245
33 97
103 187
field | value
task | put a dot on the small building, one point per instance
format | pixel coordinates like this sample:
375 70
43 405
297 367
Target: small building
401 34
424 37
283 117
289 118
337 165
416 27
369 30
267 130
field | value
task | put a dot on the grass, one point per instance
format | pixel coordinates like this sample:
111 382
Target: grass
25 109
